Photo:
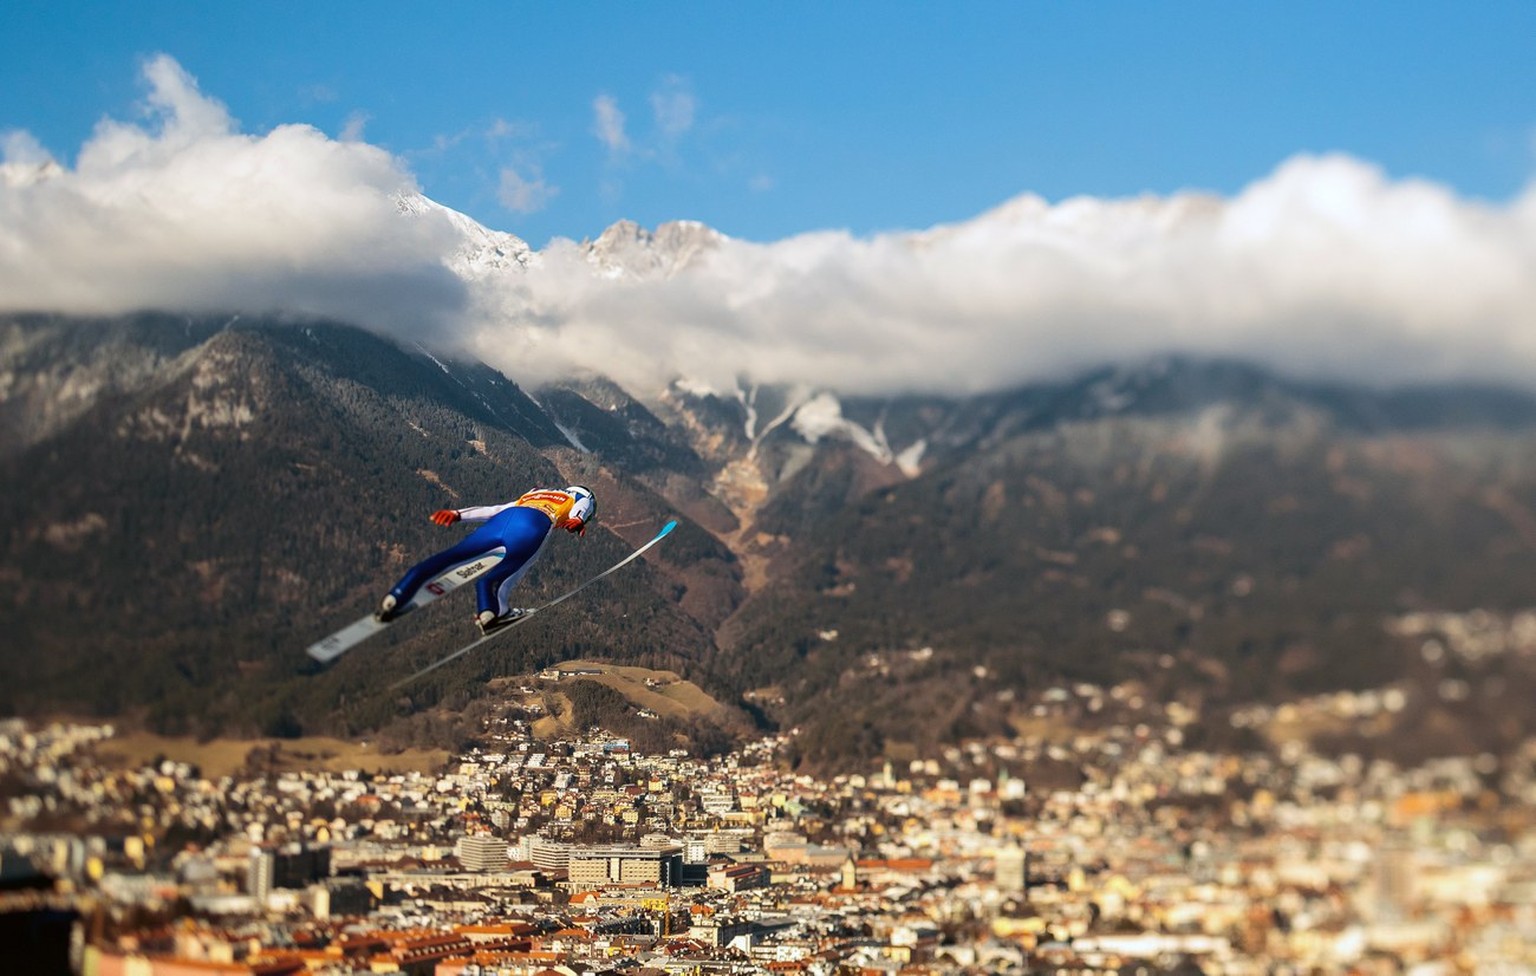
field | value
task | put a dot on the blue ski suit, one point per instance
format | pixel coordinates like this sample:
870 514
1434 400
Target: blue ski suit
519 529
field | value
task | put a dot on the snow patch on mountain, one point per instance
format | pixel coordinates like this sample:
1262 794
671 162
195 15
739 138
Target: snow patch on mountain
796 399
695 388
1125 385
748 400
812 416
570 435
909 459
822 416
440 364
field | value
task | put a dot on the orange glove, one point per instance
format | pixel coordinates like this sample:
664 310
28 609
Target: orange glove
446 516
576 525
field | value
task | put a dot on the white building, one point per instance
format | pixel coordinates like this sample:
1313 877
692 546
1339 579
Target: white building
481 852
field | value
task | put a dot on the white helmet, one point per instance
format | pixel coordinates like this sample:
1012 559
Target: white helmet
586 502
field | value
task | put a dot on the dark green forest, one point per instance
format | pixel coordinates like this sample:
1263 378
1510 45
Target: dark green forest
189 503
175 549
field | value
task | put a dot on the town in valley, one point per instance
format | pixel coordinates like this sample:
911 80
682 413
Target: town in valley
1073 847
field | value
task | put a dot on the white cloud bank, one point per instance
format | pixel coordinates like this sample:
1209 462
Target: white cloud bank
1326 267
186 213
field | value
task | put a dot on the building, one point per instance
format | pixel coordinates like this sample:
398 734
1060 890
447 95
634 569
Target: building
259 873
1396 874
481 852
728 876
717 803
290 866
37 923
340 897
718 932
1011 869
299 865
546 855
626 865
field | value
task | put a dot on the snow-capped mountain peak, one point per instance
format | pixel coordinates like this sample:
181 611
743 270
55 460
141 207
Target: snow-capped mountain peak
627 250
482 252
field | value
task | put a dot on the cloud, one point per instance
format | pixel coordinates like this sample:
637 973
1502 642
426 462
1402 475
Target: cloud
21 149
674 106
185 212
175 98
490 136
319 94
1326 267
525 194
608 124
352 128
500 129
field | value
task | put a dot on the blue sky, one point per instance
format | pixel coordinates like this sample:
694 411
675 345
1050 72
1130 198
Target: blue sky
770 119
935 196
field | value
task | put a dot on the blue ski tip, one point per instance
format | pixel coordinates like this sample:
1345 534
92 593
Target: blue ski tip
667 528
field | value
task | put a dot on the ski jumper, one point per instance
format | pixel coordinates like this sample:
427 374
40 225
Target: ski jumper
518 528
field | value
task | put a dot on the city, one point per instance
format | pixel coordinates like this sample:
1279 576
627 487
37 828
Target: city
1118 850
1094 444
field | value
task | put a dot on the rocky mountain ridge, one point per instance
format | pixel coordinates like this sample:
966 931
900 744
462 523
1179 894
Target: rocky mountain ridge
191 500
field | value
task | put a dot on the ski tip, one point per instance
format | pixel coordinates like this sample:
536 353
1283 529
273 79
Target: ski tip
667 528
311 666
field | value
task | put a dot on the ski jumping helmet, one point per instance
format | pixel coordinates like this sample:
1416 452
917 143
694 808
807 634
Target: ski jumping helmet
581 492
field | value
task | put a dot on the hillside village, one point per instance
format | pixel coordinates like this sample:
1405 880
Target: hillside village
1124 851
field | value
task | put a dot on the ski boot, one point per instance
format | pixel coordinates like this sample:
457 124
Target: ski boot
490 623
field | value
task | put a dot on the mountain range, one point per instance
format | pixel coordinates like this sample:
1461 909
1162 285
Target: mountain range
190 500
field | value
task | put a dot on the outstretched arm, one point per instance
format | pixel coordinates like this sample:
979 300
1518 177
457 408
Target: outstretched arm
479 513
475 513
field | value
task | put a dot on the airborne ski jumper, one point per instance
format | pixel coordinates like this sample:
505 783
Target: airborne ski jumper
474 560
515 532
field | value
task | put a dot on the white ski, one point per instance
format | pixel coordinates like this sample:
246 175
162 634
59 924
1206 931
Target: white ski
363 628
524 618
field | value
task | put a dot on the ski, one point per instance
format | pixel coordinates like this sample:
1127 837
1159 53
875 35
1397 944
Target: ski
525 617
353 634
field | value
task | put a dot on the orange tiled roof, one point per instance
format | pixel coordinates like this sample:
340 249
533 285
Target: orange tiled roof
897 864
495 928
